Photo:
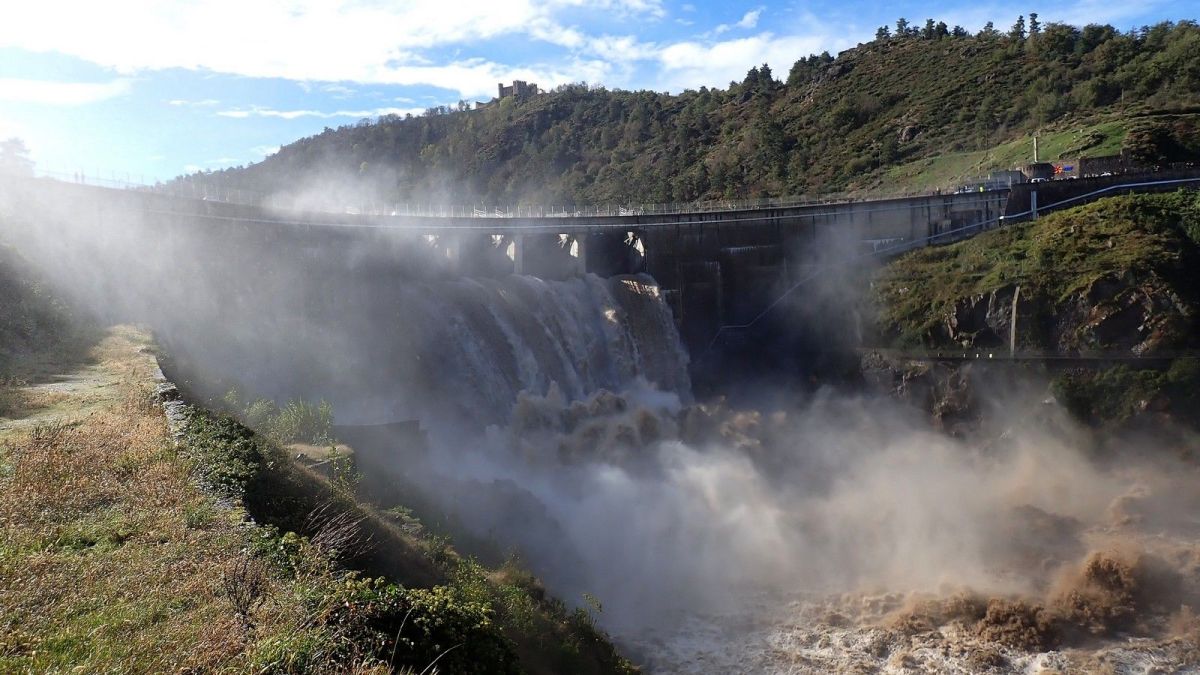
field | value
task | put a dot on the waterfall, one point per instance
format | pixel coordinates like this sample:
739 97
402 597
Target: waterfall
484 341
449 352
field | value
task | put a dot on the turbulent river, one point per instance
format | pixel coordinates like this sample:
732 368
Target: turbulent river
832 532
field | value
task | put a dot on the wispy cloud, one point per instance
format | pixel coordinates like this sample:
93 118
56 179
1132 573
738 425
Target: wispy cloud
61 93
259 111
749 20
696 63
265 150
338 90
203 103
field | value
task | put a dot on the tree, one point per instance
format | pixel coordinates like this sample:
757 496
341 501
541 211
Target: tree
1017 32
14 158
989 30
959 32
941 30
765 78
927 31
752 78
882 33
901 27
1034 26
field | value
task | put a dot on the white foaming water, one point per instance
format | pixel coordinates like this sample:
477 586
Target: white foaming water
482 342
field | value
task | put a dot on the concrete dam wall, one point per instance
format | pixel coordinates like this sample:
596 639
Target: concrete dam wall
715 269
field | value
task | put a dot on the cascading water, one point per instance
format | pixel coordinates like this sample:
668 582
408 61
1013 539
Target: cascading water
485 341
450 354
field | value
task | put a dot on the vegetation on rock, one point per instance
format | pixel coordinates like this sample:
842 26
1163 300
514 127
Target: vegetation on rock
1115 274
1116 277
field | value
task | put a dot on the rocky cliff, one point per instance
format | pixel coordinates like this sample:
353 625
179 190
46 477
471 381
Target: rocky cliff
1113 282
1113 276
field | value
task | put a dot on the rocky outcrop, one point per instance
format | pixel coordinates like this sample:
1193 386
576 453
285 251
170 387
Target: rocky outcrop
984 320
944 390
1123 312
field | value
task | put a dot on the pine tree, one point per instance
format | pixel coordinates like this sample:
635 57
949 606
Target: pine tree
1034 26
883 33
1017 32
901 27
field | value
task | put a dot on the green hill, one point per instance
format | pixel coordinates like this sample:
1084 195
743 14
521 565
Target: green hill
918 111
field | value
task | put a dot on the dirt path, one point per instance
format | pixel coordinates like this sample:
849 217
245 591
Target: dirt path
111 559
68 396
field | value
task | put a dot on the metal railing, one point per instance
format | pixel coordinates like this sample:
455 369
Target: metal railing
215 191
947 237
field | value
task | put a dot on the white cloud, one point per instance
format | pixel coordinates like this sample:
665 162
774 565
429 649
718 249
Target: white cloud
60 93
715 64
257 111
335 41
265 150
204 103
341 47
749 20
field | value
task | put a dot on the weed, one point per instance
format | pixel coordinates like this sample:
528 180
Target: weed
245 585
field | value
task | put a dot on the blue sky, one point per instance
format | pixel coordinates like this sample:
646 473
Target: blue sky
150 89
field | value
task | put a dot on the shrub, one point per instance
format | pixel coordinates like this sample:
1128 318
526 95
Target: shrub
435 625
301 421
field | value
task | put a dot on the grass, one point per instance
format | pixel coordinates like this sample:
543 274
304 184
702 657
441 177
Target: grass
949 170
126 551
99 569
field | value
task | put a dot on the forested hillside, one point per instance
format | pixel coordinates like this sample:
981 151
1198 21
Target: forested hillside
873 119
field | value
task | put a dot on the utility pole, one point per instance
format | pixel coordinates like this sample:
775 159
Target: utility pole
1035 149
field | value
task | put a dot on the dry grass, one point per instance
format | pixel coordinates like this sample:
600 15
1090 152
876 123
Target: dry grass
110 558
114 559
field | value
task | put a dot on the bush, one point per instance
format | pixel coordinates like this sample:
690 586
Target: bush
435 625
228 456
300 421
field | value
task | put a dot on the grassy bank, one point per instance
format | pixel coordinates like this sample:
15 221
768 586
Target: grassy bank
126 548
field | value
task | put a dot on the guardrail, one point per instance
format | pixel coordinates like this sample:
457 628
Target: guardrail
947 237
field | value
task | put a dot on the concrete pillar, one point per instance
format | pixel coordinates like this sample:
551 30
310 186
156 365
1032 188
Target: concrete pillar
519 257
577 249
1012 328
